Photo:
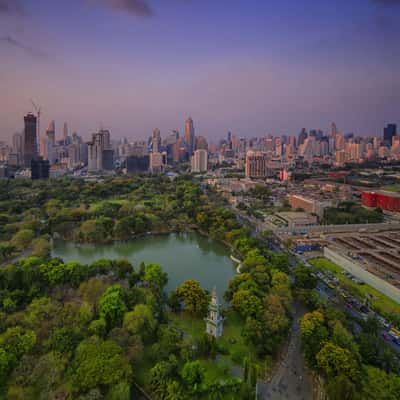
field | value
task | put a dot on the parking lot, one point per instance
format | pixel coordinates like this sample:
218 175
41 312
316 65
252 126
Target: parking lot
378 253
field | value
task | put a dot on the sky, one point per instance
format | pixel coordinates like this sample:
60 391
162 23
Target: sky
248 66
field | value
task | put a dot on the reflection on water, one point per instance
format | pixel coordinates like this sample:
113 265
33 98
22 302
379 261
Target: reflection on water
183 256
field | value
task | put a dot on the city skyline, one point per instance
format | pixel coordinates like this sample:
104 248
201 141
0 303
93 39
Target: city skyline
250 68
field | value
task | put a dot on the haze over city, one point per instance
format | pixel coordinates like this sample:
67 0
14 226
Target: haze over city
251 67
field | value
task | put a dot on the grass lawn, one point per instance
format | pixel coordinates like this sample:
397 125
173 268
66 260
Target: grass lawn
194 327
231 341
392 188
379 302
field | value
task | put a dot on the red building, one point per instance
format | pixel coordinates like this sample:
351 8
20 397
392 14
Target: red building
384 200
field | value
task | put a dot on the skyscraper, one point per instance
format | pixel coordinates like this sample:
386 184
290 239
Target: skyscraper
200 161
65 132
388 133
302 137
30 145
189 135
334 130
156 141
99 151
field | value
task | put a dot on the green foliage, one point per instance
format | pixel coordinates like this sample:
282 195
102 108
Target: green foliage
99 363
141 322
195 298
112 307
192 376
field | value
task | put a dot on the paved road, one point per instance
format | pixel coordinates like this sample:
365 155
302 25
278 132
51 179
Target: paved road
291 380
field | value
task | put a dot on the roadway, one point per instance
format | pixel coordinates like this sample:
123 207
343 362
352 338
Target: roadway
291 379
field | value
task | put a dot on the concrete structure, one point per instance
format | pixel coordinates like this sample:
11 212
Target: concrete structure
214 320
359 272
310 205
200 161
297 219
157 162
100 142
190 139
30 144
256 164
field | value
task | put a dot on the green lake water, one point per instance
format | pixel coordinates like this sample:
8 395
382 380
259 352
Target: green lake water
183 256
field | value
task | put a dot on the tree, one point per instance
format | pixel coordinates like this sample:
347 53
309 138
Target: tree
303 278
247 304
195 298
99 363
313 333
333 360
155 277
192 376
377 385
92 290
141 322
22 239
275 316
121 391
161 375
112 307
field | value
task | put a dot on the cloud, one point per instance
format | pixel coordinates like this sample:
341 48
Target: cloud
11 7
12 42
140 8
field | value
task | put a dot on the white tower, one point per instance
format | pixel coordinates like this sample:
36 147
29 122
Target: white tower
214 319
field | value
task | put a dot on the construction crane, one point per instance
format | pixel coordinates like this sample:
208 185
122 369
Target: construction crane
38 112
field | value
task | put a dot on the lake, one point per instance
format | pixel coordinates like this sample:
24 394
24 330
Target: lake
183 256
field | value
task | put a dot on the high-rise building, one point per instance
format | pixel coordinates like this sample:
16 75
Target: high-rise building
201 143
136 164
302 137
156 141
388 133
157 162
30 145
256 164
97 158
189 135
200 161
334 130
40 169
65 133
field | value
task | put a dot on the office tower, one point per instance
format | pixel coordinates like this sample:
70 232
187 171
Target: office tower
189 135
137 164
302 137
200 161
256 164
278 147
40 169
201 143
65 133
100 142
17 142
156 141
339 142
334 130
157 162
30 145
292 141
17 148
388 133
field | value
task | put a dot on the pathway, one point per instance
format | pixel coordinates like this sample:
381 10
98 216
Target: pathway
291 380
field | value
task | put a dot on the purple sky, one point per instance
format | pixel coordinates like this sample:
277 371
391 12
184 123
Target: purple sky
249 66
